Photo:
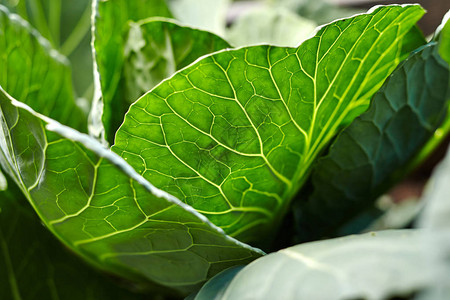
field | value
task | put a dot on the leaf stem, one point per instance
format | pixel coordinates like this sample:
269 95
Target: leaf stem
55 21
438 137
79 32
40 20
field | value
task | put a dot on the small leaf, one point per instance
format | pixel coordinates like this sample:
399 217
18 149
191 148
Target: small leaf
156 48
35 73
110 27
97 205
372 266
234 134
369 156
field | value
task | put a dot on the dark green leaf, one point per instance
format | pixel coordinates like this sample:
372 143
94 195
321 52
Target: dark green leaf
157 48
234 134
368 157
35 73
110 30
95 203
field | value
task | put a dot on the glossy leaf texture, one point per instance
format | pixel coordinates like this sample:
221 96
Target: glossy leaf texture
369 156
35 266
111 20
271 25
234 134
35 73
372 266
156 48
95 203
216 286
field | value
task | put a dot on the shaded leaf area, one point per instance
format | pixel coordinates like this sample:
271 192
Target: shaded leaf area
95 203
271 25
234 134
369 156
35 266
156 48
35 73
204 14
110 31
372 266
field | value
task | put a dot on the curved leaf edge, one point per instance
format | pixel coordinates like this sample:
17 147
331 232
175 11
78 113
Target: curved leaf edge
99 149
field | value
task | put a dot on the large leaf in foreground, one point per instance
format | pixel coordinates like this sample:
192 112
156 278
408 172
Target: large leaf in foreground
95 203
110 28
234 134
34 73
373 266
157 48
33 265
404 114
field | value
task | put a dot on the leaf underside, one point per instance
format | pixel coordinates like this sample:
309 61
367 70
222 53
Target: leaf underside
28 251
372 266
234 134
404 114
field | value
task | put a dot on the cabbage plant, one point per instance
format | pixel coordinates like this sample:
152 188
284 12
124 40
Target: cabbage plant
196 159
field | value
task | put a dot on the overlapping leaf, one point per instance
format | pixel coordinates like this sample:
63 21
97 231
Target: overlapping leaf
234 134
360 165
110 29
35 266
157 48
373 266
36 74
95 203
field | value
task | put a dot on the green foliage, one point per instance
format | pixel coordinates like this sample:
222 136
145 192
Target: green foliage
215 146
28 252
244 126
362 162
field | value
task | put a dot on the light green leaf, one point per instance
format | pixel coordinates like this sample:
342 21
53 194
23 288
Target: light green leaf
444 49
270 25
111 20
205 14
372 266
35 73
373 153
95 203
33 265
156 48
234 134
